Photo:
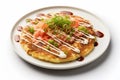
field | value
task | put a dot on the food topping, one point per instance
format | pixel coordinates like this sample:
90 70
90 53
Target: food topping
19 28
31 30
17 38
99 34
66 12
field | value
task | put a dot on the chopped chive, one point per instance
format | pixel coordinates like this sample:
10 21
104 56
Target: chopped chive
31 30
66 52
42 19
35 22
53 42
83 28
68 37
48 47
28 20
62 23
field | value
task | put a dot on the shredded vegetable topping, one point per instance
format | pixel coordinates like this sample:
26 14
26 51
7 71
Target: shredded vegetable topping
62 23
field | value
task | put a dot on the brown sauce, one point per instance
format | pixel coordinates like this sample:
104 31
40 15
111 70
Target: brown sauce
90 30
80 58
49 15
19 28
39 44
66 12
96 44
34 48
99 34
17 38
40 14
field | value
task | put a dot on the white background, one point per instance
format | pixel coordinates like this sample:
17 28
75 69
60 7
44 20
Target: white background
105 68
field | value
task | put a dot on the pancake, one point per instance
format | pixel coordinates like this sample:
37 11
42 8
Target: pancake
58 39
45 56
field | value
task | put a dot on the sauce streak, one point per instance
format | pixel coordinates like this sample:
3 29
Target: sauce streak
40 14
19 28
99 34
66 12
96 44
17 38
80 58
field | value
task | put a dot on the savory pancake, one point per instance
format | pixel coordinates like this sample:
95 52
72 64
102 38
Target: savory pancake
45 56
58 38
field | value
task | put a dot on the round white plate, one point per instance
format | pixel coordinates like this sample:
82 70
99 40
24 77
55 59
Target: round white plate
96 53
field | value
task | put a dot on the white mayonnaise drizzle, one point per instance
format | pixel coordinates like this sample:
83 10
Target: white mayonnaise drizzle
88 35
61 53
42 17
57 39
82 40
85 24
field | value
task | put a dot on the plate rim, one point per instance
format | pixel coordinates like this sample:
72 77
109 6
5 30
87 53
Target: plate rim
58 68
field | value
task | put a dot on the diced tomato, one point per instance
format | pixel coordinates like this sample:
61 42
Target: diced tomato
40 30
75 23
46 37
41 25
41 34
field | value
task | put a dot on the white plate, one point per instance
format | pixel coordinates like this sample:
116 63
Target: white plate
96 53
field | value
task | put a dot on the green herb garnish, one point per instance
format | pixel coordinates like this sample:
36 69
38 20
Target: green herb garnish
35 22
62 23
28 20
42 19
68 37
31 30
53 42
45 29
48 47
66 52
83 28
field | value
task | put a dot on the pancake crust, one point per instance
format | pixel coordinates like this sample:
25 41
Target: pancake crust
45 56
